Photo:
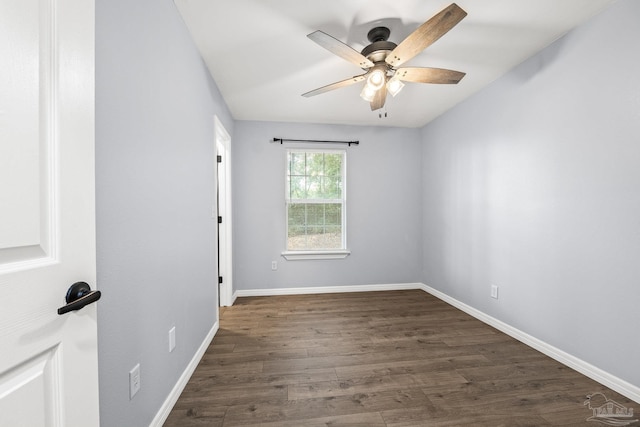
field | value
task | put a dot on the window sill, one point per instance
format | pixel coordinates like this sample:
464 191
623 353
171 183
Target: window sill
306 255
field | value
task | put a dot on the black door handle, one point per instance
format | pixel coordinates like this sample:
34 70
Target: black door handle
79 295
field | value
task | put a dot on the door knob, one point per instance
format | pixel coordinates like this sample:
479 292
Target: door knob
78 295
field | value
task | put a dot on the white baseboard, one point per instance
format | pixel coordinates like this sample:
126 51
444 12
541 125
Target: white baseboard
326 289
171 400
621 386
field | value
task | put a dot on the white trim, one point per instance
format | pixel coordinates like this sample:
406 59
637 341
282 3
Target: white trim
223 140
172 398
304 255
327 289
621 386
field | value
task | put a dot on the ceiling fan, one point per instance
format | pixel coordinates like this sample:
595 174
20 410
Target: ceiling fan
382 58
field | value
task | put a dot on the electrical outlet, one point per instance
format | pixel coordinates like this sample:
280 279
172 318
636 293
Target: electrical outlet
134 381
172 339
494 291
274 265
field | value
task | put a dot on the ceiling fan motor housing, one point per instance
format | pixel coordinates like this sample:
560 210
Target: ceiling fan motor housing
378 34
380 47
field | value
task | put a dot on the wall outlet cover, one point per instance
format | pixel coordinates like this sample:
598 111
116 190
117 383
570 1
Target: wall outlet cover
172 339
134 381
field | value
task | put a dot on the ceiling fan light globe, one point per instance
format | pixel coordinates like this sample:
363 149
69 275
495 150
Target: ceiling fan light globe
394 86
367 93
376 79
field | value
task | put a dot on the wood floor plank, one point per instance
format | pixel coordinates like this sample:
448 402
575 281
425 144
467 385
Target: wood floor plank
235 394
369 348
188 414
376 383
210 368
276 366
217 378
370 419
419 366
304 409
544 368
229 359
274 343
412 419
374 359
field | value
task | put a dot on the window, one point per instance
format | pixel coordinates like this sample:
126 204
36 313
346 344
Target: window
315 199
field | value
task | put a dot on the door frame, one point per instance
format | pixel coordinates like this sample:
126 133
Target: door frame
223 209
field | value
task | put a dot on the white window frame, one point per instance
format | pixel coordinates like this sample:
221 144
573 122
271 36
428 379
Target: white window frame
316 253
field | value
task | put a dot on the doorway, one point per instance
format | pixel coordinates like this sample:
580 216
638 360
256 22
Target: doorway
223 209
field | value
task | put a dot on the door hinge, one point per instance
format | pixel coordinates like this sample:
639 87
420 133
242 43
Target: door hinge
219 220
219 280
219 159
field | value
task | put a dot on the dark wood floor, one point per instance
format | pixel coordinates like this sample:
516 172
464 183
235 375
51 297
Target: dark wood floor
374 359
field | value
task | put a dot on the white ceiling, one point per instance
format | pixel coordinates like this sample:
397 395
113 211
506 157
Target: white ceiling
260 58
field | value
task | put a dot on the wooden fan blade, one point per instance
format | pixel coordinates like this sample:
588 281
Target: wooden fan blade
332 86
336 47
379 98
425 35
429 75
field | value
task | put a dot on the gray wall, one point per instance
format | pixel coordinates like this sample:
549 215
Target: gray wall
532 185
383 207
155 181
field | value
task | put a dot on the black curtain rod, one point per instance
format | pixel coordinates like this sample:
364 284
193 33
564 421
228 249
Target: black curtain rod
317 141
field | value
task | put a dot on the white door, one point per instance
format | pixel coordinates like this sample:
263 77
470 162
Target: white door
48 362
223 150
